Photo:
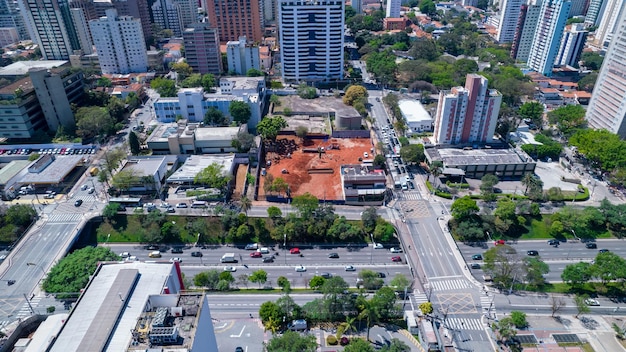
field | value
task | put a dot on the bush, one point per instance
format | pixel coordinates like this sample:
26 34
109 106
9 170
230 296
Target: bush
51 309
331 340
344 341
519 319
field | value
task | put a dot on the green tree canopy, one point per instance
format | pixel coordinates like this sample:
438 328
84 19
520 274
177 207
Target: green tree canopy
243 141
355 93
240 111
213 176
268 128
165 87
291 341
532 110
214 117
306 204
94 121
253 72
412 153
464 207
182 69
568 118
133 143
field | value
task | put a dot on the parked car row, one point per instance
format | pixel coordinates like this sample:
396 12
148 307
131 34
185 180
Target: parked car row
56 151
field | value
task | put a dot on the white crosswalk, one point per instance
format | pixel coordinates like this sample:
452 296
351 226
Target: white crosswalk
489 309
419 298
447 285
25 310
63 218
409 195
464 324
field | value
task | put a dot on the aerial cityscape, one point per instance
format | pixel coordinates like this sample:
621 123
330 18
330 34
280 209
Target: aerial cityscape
313 175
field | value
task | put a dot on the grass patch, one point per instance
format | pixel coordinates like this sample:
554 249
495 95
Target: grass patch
586 346
538 229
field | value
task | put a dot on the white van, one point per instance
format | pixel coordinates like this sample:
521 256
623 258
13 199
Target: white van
228 258
264 250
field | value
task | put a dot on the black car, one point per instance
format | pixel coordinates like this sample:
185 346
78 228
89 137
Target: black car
268 259
477 257
532 253
604 250
591 245
553 242
326 275
196 254
333 255
176 250
381 275
78 202
475 266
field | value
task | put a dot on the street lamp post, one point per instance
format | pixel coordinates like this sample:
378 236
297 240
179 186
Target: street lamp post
285 247
372 252
38 266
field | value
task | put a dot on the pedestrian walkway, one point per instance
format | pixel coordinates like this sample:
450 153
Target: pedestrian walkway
489 309
448 285
409 195
419 298
64 218
464 324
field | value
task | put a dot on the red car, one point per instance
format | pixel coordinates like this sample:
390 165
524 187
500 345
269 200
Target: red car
396 259
499 242
294 251
256 255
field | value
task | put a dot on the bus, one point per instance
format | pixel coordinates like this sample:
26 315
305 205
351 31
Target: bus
126 202
199 204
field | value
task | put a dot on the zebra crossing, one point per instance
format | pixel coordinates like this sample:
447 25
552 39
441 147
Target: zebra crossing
489 309
25 312
464 324
409 195
64 217
419 298
448 285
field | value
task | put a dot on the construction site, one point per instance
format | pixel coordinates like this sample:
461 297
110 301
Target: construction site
310 165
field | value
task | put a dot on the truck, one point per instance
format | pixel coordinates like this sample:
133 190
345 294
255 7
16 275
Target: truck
229 258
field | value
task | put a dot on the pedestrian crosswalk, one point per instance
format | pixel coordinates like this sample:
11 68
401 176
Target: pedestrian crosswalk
489 309
464 324
409 195
25 311
447 285
419 298
64 217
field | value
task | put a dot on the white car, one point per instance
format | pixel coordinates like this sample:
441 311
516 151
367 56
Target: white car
300 268
176 259
592 302
132 258
230 269
350 268
365 155
125 254
395 250
378 246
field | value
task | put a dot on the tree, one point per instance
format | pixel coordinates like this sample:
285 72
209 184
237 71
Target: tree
369 217
426 307
240 111
212 176
399 282
306 92
464 207
592 61
370 280
581 305
535 268
124 179
436 168
182 69
302 131
427 7
246 204
608 267
533 111
382 65
396 345
588 82
502 263
506 219
355 93
291 341
424 49
164 86
243 142
208 82
380 162
487 183
556 304
253 72
576 274
214 117
259 276
359 345
519 319
268 128
94 121
133 142
568 118
305 204
284 283
412 153
110 210
116 108
505 328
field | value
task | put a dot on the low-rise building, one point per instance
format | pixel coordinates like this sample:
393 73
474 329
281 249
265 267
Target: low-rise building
418 120
363 184
194 164
149 171
183 138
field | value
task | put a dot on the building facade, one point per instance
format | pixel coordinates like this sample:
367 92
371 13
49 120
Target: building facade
467 115
607 23
83 31
572 45
55 91
202 48
165 14
237 18
595 12
357 5
242 56
120 44
578 8
527 28
311 39
50 26
509 15
8 35
607 108
393 9
548 33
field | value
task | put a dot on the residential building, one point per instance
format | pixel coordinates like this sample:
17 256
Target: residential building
545 46
50 25
55 91
417 119
467 115
82 30
393 9
166 15
572 45
396 24
607 108
527 30
242 56
237 18
509 15
94 9
202 48
120 44
187 12
311 39
519 28
8 35
11 16
595 12
578 8
191 138
357 5
607 24
269 10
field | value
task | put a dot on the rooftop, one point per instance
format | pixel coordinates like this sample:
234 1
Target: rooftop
244 83
413 111
144 166
320 105
216 133
25 84
11 169
20 68
196 163
54 173
457 157
162 132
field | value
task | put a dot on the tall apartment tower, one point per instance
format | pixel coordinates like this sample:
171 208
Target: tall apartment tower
393 9
311 39
237 18
82 30
269 10
50 25
509 15
119 42
578 8
608 23
202 48
572 45
242 56
357 5
548 33
166 16
467 115
54 93
595 12
607 108
11 17
528 28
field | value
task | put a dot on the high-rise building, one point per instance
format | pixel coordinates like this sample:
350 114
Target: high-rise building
578 8
119 42
595 12
393 9
166 16
572 45
237 18
82 30
202 48
357 5
527 30
607 108
509 15
608 23
548 33
269 10
187 12
50 25
242 56
8 36
311 39
55 92
518 31
11 17
467 115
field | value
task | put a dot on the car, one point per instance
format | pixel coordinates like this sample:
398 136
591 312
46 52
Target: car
381 275
396 259
230 269
91 190
553 242
475 266
176 250
196 254
378 246
84 187
268 259
124 254
592 302
333 255
239 349
252 246
154 254
477 257
591 245
395 250
152 247
132 258
603 250
170 210
326 275
499 242
78 202
165 205
294 251
181 205
300 269
176 259
349 268
365 155
256 255
532 253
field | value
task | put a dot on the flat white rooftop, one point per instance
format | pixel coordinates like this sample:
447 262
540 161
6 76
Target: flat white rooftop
413 111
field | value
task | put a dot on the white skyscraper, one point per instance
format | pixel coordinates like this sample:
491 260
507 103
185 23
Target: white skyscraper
82 30
528 28
242 56
548 33
509 14
572 45
607 108
608 23
311 39
119 43
49 24
595 12
393 9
